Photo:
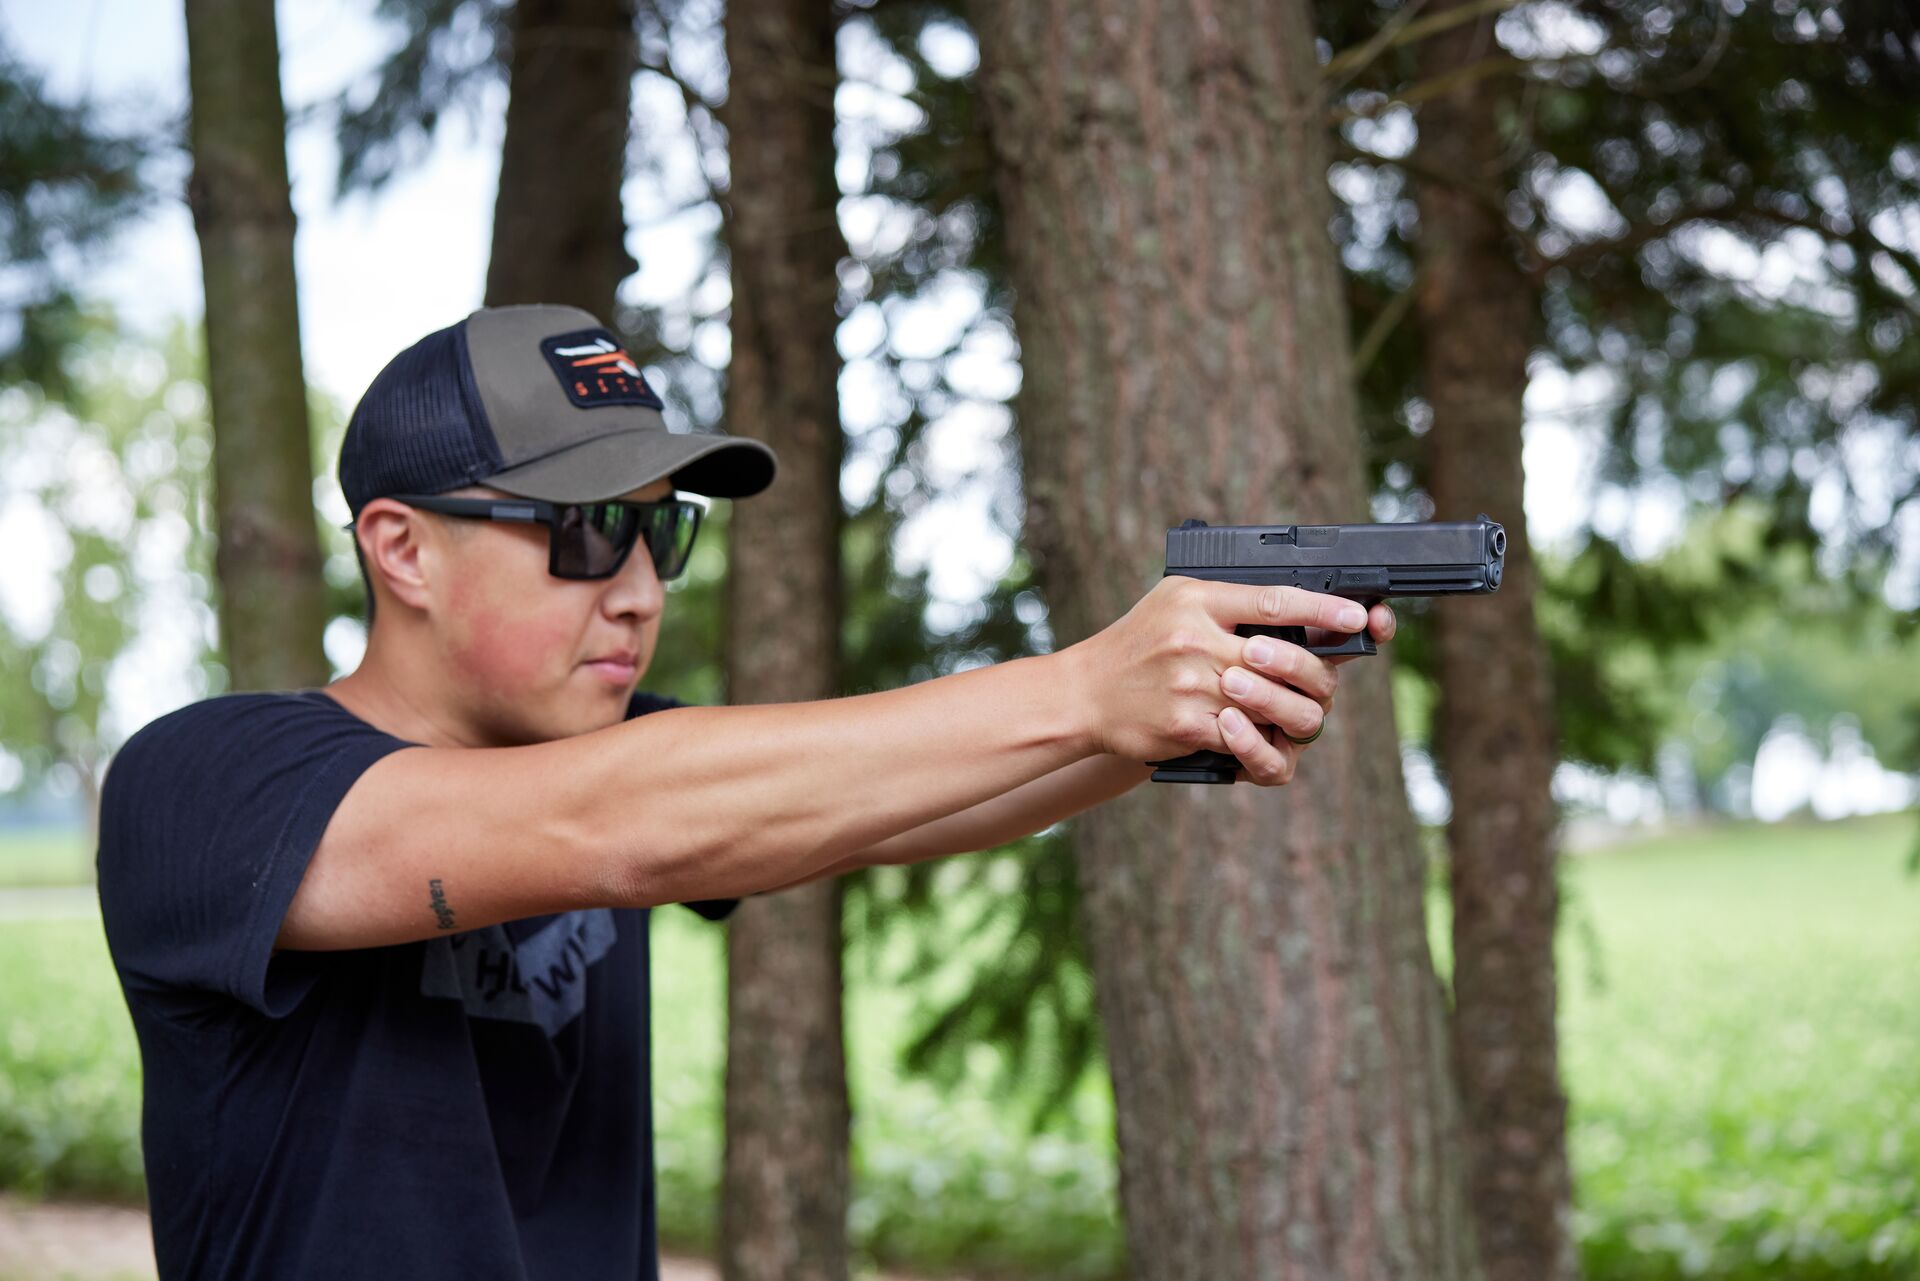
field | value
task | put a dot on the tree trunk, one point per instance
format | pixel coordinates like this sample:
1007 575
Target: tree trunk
1276 1033
272 596
786 1184
1480 317
559 233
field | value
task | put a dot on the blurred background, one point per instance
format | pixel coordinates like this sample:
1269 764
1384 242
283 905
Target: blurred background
1708 225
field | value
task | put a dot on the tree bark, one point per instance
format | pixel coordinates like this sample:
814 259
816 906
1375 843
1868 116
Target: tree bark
786 1181
1480 316
272 596
559 232
1277 1036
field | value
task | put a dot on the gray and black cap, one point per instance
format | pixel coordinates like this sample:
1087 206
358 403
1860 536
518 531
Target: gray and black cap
540 402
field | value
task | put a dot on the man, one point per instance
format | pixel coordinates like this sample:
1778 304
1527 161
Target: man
384 943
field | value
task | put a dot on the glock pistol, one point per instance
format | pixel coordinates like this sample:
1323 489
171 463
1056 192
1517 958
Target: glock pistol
1364 563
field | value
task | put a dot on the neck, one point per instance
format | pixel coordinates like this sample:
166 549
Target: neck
399 688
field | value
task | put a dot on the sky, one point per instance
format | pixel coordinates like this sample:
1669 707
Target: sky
376 272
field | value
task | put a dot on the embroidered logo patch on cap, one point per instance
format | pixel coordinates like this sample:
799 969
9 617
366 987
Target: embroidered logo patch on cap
596 370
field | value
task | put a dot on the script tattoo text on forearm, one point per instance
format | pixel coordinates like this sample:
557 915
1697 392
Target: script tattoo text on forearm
441 912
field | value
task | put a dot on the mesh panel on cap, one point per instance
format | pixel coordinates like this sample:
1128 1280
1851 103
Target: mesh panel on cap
420 427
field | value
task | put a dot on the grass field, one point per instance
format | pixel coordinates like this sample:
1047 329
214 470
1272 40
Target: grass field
1742 1050
35 856
1741 1041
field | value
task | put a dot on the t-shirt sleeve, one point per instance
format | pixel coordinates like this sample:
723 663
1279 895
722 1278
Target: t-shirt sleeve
640 704
208 819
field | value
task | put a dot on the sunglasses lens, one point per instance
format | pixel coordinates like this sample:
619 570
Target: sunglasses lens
592 540
671 538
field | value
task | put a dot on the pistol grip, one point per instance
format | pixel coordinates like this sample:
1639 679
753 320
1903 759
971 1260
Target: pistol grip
1197 767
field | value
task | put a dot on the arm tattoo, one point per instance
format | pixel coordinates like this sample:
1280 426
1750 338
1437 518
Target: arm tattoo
441 912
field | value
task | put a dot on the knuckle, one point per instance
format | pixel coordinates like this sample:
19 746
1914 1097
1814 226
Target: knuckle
1190 731
1187 682
1273 603
1185 640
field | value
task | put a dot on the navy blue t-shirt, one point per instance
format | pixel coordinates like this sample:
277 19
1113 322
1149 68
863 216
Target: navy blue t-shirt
473 1106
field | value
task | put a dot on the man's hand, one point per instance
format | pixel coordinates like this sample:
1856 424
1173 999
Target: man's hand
1268 684
1156 679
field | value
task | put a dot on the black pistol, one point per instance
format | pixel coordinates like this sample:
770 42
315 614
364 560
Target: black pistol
1364 563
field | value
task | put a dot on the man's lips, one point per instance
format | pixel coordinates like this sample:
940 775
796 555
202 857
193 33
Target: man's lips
615 667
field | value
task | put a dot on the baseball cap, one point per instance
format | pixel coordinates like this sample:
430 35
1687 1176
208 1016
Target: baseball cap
539 402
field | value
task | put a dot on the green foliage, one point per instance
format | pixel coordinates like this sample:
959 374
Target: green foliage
944 1176
123 470
1614 627
449 52
1021 985
69 1067
1724 696
67 183
1734 267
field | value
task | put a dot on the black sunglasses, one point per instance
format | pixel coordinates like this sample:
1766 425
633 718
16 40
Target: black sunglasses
587 540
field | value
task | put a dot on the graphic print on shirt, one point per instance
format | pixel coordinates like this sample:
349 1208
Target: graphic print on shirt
540 980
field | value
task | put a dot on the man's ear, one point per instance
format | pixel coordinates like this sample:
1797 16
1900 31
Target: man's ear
392 539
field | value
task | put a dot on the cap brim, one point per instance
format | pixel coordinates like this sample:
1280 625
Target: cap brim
611 465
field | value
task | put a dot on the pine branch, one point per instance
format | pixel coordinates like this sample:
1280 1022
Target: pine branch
1383 326
1401 30
1421 90
1348 63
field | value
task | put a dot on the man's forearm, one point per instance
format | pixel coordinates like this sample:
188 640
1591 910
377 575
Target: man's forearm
1027 809
714 802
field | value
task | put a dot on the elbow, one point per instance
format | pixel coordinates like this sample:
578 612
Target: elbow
648 870
683 861
637 843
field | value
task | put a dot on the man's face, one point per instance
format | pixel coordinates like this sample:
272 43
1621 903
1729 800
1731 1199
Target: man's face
543 657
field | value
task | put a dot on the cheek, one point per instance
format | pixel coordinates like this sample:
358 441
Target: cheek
502 643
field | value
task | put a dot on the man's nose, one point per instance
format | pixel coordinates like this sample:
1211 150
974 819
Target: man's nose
636 589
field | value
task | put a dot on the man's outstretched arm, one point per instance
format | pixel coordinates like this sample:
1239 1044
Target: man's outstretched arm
716 802
1078 787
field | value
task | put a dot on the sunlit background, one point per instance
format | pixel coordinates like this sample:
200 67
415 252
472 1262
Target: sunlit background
1790 715
380 269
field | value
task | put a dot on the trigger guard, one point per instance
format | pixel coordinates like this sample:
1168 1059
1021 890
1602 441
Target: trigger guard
1358 643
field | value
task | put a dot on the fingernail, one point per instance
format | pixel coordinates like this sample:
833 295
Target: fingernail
1260 651
1237 683
1353 616
1232 720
